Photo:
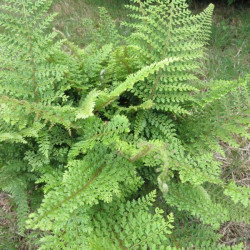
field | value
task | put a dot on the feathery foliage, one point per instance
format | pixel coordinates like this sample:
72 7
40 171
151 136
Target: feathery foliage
102 134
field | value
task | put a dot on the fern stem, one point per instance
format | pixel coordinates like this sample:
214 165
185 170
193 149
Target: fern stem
175 241
72 196
31 55
144 15
141 153
165 51
120 241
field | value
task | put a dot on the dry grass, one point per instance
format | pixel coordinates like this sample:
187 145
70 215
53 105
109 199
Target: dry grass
236 166
9 238
234 233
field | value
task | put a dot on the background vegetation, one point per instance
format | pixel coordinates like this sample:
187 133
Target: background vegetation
229 45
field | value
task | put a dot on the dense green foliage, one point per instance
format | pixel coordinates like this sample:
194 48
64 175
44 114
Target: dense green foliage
109 146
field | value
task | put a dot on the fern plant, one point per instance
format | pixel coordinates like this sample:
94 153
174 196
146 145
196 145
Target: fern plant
102 147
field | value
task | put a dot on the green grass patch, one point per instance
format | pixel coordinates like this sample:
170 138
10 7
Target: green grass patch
229 49
229 45
71 16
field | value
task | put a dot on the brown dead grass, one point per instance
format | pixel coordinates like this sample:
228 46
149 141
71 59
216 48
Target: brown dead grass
9 236
236 166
